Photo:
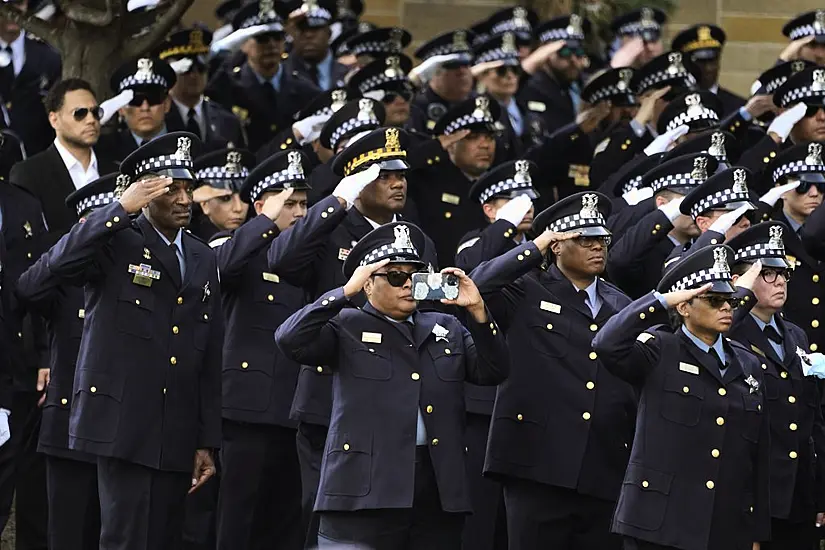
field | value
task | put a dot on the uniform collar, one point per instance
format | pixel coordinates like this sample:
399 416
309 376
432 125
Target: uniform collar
275 80
140 141
718 345
178 238
184 110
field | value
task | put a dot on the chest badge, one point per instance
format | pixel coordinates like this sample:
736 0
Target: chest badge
144 275
550 306
27 229
146 254
440 333
753 383
206 292
371 337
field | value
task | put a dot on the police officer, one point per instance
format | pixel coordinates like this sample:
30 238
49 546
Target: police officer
219 206
639 31
393 470
311 55
74 509
704 43
561 424
377 43
805 87
187 50
262 93
699 475
807 33
697 110
797 436
260 497
150 79
386 80
517 19
668 71
153 323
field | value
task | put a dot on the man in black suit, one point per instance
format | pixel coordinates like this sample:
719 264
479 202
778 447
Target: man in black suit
311 55
28 69
150 79
703 43
186 51
262 92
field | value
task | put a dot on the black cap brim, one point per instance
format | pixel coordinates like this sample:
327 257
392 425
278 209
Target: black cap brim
781 263
812 177
592 231
230 184
393 165
174 173
705 54
721 287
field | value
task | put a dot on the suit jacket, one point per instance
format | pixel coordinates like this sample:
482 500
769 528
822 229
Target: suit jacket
258 380
46 177
549 100
118 145
380 384
560 396
148 383
797 484
222 127
6 333
698 477
731 102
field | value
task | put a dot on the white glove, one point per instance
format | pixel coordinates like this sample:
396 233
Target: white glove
423 72
635 196
784 123
726 221
671 209
112 106
309 129
351 186
775 193
515 210
813 364
663 142
5 431
182 65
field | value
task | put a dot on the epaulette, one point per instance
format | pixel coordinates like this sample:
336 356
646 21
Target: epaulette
188 232
215 243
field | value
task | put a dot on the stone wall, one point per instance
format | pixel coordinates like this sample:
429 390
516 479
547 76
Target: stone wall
754 27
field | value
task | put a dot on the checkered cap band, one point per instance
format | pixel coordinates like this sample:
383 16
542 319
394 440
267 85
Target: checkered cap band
447 49
137 80
509 25
95 201
653 79
551 35
388 251
717 199
575 221
498 54
700 278
267 19
797 95
271 180
377 81
796 167
632 184
804 30
467 120
759 250
507 185
692 115
382 46
636 27
608 91
350 127
161 162
774 84
221 173
674 180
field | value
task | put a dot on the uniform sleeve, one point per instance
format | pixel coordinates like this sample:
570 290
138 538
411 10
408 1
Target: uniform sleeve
624 346
424 151
210 413
615 151
310 335
747 299
762 481
758 157
705 239
37 287
626 260
491 242
488 359
736 124
77 255
233 253
813 233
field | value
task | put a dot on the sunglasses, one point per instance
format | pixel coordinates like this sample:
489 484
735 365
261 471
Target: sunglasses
397 278
81 113
455 64
805 186
266 37
770 275
591 242
812 110
153 97
716 301
508 69
390 97
566 52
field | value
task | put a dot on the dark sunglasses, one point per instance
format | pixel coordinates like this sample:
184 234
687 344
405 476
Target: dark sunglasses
455 64
263 38
396 278
81 113
566 52
805 186
591 242
504 70
151 97
716 301
812 110
769 275
389 97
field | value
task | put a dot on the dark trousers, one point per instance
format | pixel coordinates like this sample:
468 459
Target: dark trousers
259 506
310 442
23 470
786 535
425 526
74 508
486 527
200 516
140 508
542 516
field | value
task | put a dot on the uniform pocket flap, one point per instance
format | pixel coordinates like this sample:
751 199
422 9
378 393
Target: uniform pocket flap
687 385
139 296
99 383
648 479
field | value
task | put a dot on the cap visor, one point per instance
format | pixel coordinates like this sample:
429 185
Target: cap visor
174 173
721 287
775 262
705 54
592 231
300 185
812 177
207 192
394 165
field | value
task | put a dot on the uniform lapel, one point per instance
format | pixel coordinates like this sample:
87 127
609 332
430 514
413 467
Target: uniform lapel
192 257
788 344
709 363
423 328
734 369
160 250
758 340
567 293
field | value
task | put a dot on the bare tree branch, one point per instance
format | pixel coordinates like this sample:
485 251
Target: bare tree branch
42 29
87 15
162 26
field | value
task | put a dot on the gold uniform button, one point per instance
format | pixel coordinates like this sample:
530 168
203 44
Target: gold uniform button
815 278
205 317
29 255
764 366
714 241
324 215
325 303
715 453
815 323
330 209
264 235
520 417
685 389
793 454
116 219
447 351
415 376
173 360
723 392
586 416
791 399
773 154
520 257
164 391
108 224
331 298
594 327
590 385
283 146
64 401
658 226
435 442
137 302
320 369
271 297
645 484
624 147
815 301
720 421
651 309
175 330
526 252
346 446
430 409
593 355
448 215
180 300
492 325
793 427
93 389
710 485
642 316
783 374
549 326
814 347
244 365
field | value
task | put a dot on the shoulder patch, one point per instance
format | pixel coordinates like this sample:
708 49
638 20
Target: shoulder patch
537 106
467 244
217 242
601 146
645 337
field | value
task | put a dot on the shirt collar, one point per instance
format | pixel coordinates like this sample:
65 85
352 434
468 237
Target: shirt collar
184 110
792 222
717 345
17 44
178 238
674 240
377 225
69 160
275 80
762 324
714 89
140 141
592 291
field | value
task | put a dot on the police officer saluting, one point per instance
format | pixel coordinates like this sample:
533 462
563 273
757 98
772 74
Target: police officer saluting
147 386
698 475
394 461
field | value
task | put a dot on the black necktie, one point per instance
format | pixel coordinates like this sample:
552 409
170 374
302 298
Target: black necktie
772 334
313 73
192 123
174 248
712 353
269 92
7 74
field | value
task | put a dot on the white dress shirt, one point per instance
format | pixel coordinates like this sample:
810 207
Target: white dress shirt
80 176
18 51
377 225
184 114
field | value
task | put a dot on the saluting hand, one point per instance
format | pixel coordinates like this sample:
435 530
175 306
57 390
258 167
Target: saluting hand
673 299
547 238
468 295
275 203
749 278
204 469
648 105
360 276
791 51
589 119
142 192
446 140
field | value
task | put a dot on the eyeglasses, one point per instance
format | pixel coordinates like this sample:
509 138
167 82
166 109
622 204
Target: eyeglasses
716 301
812 110
770 275
567 52
152 97
81 113
390 97
504 70
455 64
591 242
805 186
263 38
396 278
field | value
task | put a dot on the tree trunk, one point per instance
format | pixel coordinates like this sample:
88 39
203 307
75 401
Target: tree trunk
93 54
